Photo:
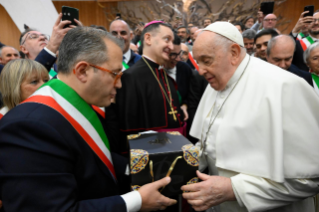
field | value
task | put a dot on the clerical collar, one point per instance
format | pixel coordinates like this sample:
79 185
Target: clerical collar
171 72
127 56
152 62
238 72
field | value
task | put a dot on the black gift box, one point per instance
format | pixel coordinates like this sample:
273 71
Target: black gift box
156 155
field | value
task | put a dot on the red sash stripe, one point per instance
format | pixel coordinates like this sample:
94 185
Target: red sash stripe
303 45
190 57
98 110
49 101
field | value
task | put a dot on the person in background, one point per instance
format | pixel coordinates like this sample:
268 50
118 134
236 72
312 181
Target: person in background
311 58
249 36
249 22
8 53
239 26
19 79
206 22
261 41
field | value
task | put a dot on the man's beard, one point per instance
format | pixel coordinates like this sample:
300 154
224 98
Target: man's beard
314 32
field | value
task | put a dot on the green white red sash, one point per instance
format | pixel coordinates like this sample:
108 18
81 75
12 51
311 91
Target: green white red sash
300 36
306 42
138 44
3 111
125 66
316 82
59 96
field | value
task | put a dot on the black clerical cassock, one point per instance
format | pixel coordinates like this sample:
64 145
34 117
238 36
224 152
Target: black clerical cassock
141 102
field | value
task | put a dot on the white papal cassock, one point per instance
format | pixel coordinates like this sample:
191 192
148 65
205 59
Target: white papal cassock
264 136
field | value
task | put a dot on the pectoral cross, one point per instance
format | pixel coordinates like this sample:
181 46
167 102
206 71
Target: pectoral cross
173 113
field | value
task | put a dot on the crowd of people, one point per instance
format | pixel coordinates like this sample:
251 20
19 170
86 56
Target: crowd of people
244 93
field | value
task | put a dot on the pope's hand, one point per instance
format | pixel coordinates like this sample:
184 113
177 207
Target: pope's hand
152 199
213 190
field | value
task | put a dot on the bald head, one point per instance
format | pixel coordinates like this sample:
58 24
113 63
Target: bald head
270 21
121 30
192 32
280 51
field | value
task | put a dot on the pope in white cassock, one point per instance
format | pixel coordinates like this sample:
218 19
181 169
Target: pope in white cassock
258 130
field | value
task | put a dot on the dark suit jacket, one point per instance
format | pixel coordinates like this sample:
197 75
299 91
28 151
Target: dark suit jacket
303 74
134 58
1 67
46 59
46 166
298 57
183 79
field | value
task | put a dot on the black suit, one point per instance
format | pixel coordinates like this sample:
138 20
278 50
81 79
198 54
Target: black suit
45 165
183 79
298 57
303 74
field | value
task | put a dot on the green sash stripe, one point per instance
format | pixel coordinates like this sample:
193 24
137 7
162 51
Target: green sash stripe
302 35
74 99
316 79
310 40
125 65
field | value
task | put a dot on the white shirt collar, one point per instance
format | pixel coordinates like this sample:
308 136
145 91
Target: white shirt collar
171 72
127 56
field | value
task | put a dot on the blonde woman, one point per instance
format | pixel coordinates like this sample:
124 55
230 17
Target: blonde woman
18 80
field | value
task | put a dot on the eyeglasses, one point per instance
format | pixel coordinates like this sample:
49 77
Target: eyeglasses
315 20
271 19
173 56
116 75
35 36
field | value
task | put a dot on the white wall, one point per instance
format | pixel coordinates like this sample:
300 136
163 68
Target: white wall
38 14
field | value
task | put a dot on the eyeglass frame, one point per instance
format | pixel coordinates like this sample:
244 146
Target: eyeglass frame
270 19
175 55
315 20
116 75
29 33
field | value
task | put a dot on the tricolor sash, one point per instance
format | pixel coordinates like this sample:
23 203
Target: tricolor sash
190 57
316 80
3 111
52 73
306 42
125 66
300 36
60 97
139 44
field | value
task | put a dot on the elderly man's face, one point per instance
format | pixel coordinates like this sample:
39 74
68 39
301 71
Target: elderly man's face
314 26
184 53
313 60
121 30
270 21
214 61
207 22
8 53
33 46
261 46
281 55
182 33
249 45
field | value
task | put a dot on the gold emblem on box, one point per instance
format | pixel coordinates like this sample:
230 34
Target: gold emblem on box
193 180
191 154
135 187
139 160
174 133
133 136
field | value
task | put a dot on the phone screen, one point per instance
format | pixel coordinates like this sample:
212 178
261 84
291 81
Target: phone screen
309 8
70 13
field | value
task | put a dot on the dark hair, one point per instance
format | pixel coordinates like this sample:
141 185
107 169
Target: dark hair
208 19
181 27
249 17
98 27
87 44
239 24
152 28
263 32
25 32
177 40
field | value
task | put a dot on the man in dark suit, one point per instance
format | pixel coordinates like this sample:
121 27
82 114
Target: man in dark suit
121 30
55 155
280 51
